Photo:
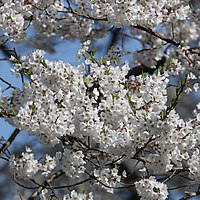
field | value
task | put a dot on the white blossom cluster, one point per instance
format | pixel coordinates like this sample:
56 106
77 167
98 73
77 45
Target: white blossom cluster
59 102
25 166
46 16
48 165
126 13
12 19
94 112
107 178
54 17
72 196
194 163
76 196
66 103
72 163
150 189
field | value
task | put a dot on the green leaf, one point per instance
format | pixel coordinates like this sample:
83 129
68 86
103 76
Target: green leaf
84 190
93 52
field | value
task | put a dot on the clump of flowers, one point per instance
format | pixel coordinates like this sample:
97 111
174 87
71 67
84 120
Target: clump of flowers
150 189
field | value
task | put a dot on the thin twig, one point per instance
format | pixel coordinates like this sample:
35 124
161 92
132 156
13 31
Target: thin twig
24 186
6 82
2 59
45 184
72 185
148 30
168 178
182 186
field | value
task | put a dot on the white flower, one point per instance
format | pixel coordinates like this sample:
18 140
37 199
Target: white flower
196 87
43 194
198 106
188 90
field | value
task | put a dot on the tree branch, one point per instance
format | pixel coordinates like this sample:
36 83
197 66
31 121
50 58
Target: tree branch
9 141
6 82
45 184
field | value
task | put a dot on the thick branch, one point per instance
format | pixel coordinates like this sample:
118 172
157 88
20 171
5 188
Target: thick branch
9 141
5 50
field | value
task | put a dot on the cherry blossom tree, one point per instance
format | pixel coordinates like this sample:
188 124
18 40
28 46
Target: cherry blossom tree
104 112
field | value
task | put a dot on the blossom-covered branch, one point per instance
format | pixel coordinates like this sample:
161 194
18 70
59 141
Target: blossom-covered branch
103 112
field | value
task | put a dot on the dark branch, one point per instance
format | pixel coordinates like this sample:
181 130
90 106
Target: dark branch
45 184
9 141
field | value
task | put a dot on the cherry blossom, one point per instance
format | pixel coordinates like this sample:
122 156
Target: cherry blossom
103 112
